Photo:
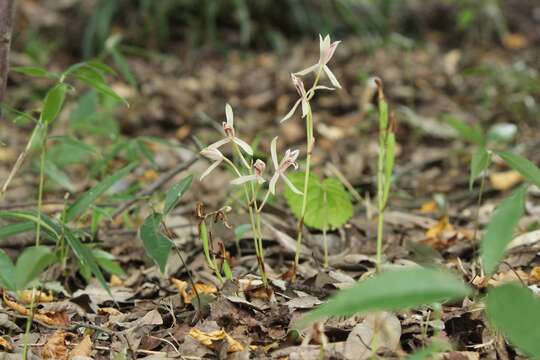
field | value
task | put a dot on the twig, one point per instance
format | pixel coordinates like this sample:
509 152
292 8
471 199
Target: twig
7 12
154 186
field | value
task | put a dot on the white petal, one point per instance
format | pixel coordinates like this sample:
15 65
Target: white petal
244 145
272 184
305 107
243 179
273 152
321 87
210 168
219 143
291 112
290 185
312 68
331 76
229 115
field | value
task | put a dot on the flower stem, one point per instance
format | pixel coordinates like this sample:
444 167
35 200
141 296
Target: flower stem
310 142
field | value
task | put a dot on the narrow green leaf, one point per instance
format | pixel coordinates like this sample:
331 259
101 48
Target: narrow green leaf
501 228
123 66
392 290
85 256
205 239
328 203
526 168
157 245
54 100
515 311
16 228
58 176
100 87
33 71
389 164
45 222
479 162
176 192
82 203
31 263
7 272
466 132
108 262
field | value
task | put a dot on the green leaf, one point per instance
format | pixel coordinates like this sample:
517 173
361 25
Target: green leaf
45 222
85 256
157 245
58 176
466 132
392 290
54 100
33 71
515 311
108 262
479 162
500 229
390 154
176 192
31 263
7 272
205 239
100 86
82 203
123 66
526 168
328 203
16 228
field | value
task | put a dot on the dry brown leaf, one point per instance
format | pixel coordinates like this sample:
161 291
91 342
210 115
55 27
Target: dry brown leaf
442 225
116 281
5 345
505 180
84 348
109 311
428 207
55 348
534 276
57 319
208 338
514 41
188 295
39 297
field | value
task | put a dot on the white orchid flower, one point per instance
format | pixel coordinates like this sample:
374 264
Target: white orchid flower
288 160
304 97
212 154
228 129
327 50
258 170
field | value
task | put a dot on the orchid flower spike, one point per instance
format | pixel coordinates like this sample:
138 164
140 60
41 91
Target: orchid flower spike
288 160
258 170
212 154
327 50
305 96
228 129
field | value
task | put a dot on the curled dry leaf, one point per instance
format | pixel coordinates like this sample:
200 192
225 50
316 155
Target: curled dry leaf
56 319
505 180
39 297
84 348
55 348
208 338
188 295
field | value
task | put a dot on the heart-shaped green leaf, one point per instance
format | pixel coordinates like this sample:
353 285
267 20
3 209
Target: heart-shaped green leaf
328 203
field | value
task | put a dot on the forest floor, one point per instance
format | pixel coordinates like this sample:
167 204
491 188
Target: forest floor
432 217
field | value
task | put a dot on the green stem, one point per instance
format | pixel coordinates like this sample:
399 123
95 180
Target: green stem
380 199
41 182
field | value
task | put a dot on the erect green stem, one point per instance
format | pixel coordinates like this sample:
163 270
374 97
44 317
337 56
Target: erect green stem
41 182
380 202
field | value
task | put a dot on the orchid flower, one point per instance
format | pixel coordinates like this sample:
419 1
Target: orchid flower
212 154
305 96
228 129
258 170
288 160
327 50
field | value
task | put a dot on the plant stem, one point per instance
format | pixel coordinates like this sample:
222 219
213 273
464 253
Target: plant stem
41 182
310 141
